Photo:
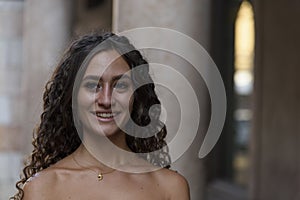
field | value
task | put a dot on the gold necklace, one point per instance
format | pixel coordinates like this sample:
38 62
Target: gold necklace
99 174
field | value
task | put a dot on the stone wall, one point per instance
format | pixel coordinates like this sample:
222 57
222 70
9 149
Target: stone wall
11 29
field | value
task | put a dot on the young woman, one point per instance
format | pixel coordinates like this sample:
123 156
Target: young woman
87 145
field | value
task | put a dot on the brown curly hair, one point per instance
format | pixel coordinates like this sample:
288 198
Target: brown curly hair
56 136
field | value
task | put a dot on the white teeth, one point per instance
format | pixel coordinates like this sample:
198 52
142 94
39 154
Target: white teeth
105 115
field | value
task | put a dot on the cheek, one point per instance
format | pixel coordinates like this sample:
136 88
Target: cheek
130 102
84 99
125 100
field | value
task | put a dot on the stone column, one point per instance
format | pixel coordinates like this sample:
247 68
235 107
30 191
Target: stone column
276 143
47 29
191 18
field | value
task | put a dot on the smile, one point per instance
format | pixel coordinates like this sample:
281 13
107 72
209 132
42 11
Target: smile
105 114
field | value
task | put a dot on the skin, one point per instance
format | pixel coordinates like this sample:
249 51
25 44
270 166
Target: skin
68 179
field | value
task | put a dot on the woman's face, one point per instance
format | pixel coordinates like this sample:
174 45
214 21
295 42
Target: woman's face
105 94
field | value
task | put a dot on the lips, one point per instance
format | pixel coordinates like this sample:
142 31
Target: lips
105 116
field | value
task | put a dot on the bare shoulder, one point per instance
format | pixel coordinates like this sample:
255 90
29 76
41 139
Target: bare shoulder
42 184
39 185
174 184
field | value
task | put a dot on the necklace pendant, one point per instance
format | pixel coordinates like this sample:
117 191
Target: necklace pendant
100 177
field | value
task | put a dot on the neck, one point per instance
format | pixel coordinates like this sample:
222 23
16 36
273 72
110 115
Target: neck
88 160
111 152
118 139
104 151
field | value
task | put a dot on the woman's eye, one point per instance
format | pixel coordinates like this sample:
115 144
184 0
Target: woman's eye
91 85
121 85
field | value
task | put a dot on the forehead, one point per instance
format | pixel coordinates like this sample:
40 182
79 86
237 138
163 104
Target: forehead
107 63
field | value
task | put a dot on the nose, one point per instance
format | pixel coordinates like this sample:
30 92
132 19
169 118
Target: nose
104 98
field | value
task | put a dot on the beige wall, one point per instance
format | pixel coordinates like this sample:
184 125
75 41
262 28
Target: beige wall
189 17
91 19
32 37
11 14
47 29
10 73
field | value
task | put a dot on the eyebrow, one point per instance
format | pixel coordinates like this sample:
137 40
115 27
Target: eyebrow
98 78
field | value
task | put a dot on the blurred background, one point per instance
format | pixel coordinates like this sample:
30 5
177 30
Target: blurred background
255 45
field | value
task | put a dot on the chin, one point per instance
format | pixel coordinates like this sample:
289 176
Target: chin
108 131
